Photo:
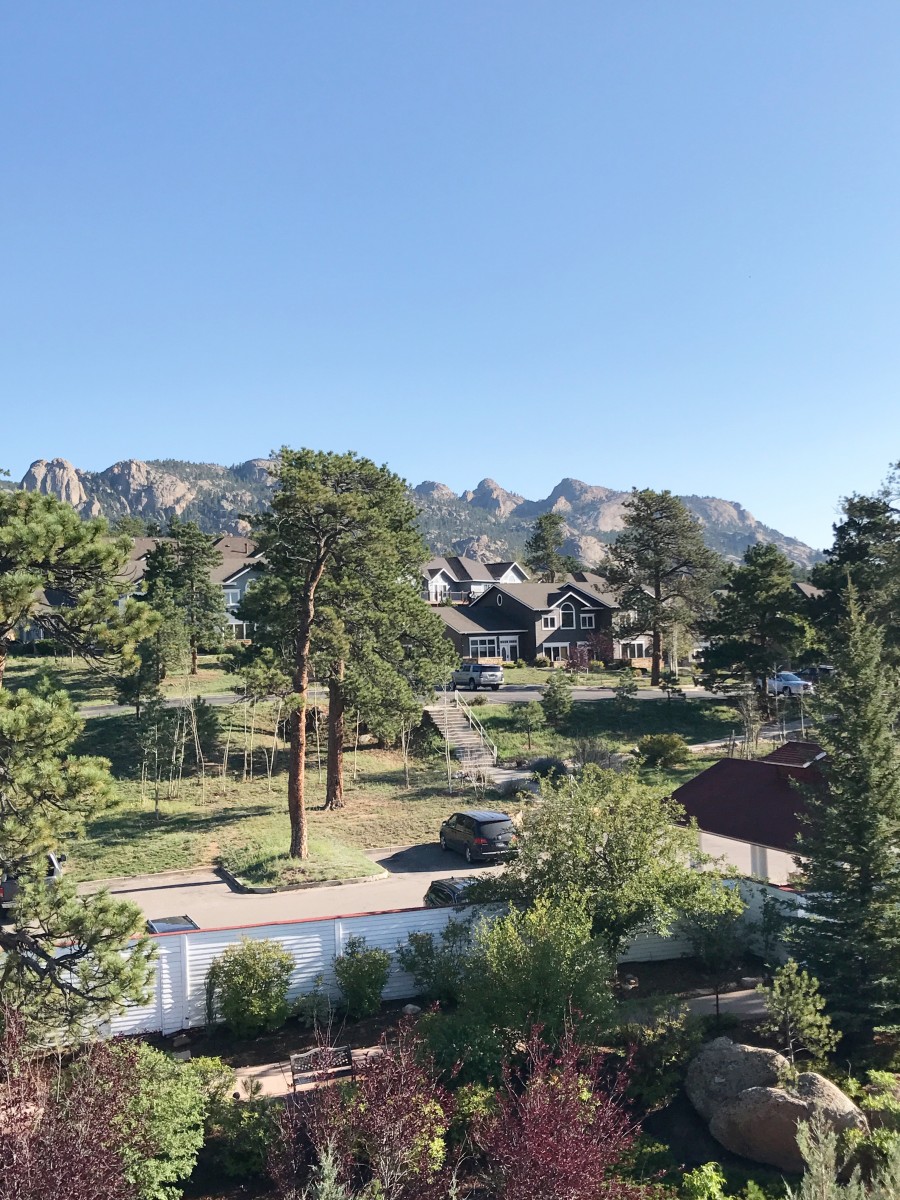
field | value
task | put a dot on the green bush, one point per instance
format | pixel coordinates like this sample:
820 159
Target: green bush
557 699
541 661
170 1111
663 749
247 987
548 766
477 700
661 1044
438 965
314 1009
362 973
242 1133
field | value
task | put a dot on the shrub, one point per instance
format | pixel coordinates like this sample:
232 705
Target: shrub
558 1130
541 661
557 699
660 1045
242 1133
387 1132
314 1009
477 700
549 767
170 1107
663 749
247 987
362 973
438 965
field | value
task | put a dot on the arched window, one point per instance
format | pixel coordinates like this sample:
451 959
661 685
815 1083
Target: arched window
567 616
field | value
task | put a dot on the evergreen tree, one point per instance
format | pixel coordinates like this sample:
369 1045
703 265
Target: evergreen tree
663 568
528 718
65 959
65 577
180 571
796 1015
758 624
557 699
334 519
849 936
543 549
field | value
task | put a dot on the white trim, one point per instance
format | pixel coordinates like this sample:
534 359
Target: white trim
593 620
546 618
568 607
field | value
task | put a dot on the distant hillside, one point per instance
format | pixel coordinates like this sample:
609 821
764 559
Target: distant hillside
487 522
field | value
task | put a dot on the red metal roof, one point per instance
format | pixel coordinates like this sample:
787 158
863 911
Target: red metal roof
796 754
751 801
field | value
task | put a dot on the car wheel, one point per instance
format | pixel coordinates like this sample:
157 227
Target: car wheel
495 687
472 685
453 686
443 843
786 691
468 854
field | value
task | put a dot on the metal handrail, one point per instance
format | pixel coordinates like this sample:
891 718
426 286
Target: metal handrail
475 724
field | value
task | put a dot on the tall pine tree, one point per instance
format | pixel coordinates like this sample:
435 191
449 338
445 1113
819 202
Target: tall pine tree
849 935
662 567
182 569
543 549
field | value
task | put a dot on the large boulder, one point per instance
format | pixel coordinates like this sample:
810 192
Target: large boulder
722 1070
761 1123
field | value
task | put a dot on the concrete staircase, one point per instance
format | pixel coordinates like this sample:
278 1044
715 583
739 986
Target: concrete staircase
457 725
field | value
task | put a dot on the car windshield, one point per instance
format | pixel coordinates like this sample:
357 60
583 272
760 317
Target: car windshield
494 829
789 678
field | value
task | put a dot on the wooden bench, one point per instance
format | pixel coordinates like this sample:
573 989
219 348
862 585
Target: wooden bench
322 1060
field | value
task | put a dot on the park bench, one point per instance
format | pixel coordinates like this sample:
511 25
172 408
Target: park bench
323 1060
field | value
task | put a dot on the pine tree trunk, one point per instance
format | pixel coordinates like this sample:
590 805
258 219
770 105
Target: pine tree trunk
193 657
657 658
334 781
2 659
299 847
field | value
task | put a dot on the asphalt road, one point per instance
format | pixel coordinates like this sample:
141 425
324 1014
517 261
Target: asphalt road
510 693
203 895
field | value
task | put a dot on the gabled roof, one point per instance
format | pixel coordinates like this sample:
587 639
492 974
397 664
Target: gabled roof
796 754
462 569
234 564
233 544
809 590
750 801
467 619
498 570
541 596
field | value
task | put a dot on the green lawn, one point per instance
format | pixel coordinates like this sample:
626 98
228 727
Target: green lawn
82 681
695 720
244 825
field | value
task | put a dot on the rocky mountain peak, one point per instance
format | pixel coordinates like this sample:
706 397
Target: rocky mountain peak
490 496
56 478
428 489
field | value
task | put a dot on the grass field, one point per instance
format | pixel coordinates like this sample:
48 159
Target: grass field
695 720
86 683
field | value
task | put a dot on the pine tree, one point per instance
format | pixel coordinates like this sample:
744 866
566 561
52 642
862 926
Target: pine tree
758 625
849 935
182 570
543 549
65 577
662 566
796 1015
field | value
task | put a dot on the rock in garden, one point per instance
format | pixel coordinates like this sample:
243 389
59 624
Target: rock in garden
761 1124
722 1070
411 1010
838 1109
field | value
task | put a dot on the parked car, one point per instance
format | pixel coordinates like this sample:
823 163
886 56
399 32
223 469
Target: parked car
171 925
476 675
786 683
480 835
816 674
445 892
9 884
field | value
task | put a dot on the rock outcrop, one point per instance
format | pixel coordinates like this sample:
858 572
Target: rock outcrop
487 515
737 1090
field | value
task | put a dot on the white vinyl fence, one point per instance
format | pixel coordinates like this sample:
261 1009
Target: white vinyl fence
183 959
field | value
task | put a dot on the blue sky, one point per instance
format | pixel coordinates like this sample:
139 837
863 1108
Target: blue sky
639 243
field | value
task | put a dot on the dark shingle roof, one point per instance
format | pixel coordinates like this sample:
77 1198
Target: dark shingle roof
796 754
749 801
541 596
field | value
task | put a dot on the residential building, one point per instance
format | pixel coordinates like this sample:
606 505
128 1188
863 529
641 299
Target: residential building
459 579
750 813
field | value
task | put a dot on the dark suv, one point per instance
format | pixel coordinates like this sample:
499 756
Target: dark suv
480 835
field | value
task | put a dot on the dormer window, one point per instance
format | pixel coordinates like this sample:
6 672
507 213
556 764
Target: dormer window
567 616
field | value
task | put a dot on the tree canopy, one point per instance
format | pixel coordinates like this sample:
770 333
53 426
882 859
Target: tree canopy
543 549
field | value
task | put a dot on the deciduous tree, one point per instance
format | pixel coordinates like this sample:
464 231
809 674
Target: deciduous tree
663 568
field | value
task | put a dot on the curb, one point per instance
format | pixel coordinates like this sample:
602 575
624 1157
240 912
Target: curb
117 880
250 889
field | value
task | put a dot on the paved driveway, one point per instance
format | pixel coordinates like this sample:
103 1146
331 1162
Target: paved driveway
203 895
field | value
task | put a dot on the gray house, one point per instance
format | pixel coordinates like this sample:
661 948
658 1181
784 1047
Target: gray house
526 620
460 579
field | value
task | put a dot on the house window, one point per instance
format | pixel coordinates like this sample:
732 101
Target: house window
633 650
499 599
548 621
555 653
567 616
482 647
587 620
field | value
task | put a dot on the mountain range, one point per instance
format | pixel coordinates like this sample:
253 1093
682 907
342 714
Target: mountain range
487 522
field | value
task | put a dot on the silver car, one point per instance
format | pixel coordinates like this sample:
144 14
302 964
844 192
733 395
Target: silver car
477 675
787 684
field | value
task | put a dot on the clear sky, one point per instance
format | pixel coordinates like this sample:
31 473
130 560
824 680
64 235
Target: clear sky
647 242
